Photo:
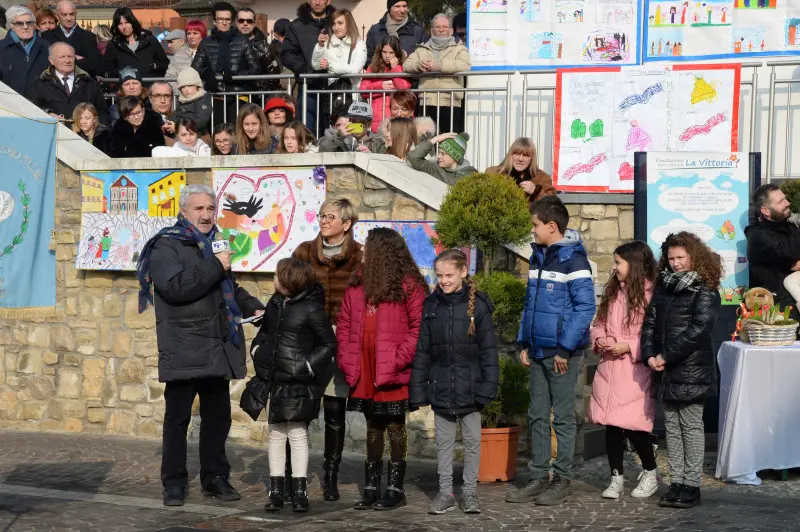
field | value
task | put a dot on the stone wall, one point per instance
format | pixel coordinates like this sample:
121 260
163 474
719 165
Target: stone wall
93 366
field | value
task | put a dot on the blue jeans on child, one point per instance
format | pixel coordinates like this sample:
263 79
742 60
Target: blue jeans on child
556 391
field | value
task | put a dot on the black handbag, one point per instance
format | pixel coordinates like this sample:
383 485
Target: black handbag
254 397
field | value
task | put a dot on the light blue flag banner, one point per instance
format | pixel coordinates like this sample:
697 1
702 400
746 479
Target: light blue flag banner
27 212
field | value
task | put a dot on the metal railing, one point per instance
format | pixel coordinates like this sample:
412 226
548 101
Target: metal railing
523 104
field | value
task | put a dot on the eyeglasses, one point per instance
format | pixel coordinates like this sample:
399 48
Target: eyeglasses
220 19
24 23
246 21
161 96
222 141
136 114
327 218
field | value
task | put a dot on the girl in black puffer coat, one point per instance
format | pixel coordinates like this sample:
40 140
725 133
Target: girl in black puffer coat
676 343
456 371
293 352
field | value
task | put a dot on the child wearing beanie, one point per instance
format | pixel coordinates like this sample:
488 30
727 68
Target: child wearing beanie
194 102
450 165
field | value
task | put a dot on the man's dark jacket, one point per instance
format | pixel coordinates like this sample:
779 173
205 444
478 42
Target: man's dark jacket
85 44
20 71
301 38
49 95
772 250
244 62
191 322
410 35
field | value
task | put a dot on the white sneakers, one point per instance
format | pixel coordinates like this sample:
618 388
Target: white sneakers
616 488
648 485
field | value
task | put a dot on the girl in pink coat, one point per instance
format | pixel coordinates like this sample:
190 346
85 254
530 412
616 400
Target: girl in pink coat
388 58
621 397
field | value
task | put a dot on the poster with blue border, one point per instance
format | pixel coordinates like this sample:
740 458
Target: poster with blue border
683 30
708 195
547 34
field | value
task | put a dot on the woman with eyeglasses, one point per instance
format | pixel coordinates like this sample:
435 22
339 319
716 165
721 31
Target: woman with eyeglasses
134 47
23 54
334 255
138 132
224 138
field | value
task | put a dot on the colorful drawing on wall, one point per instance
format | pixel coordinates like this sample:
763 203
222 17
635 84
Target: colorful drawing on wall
418 236
675 13
756 4
791 37
265 213
488 43
490 6
616 12
679 108
712 13
606 46
748 39
569 11
120 211
530 10
665 42
546 45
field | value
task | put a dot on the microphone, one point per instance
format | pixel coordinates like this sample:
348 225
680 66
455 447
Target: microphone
219 244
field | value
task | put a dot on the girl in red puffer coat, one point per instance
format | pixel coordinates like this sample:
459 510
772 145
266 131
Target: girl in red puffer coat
377 330
388 58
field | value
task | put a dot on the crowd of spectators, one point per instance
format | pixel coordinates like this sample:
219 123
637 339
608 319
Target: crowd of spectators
406 103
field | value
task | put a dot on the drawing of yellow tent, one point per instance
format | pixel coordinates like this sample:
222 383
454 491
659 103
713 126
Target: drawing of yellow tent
703 91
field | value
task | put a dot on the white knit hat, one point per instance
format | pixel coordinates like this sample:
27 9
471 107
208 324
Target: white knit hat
188 77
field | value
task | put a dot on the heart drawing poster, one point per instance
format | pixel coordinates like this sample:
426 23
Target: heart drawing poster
265 213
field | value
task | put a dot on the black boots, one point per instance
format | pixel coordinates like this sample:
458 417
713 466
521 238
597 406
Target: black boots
394 497
372 485
689 497
300 495
275 497
287 494
335 410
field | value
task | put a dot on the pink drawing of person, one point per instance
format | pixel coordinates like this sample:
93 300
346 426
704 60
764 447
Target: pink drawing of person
274 230
637 138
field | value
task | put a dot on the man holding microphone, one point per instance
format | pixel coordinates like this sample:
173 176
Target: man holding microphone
201 344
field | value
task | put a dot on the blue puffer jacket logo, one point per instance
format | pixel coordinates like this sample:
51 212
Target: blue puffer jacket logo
559 301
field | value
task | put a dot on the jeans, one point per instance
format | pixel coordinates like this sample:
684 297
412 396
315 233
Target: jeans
445 431
556 391
215 418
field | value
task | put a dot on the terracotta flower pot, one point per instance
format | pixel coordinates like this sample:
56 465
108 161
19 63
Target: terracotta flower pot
499 454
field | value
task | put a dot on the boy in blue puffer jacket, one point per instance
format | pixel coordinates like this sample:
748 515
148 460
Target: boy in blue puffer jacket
559 307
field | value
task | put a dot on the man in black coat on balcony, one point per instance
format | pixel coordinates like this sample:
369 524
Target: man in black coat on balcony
398 22
301 37
227 53
201 344
63 86
68 31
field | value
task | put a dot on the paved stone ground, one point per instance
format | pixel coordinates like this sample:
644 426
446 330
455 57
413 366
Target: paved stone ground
86 483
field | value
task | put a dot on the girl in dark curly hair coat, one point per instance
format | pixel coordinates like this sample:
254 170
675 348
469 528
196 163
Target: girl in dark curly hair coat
377 330
676 343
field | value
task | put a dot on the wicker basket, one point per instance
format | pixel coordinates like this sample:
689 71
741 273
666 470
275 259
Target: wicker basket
759 333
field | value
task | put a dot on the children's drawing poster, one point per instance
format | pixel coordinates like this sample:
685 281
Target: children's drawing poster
683 30
120 211
531 34
604 116
265 213
706 194
419 236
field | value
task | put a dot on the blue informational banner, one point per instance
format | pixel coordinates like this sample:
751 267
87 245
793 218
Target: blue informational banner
708 195
27 210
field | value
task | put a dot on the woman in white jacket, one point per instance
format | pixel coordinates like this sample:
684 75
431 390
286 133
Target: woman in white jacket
344 52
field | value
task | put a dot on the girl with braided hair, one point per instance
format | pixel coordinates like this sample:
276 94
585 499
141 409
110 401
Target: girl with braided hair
456 371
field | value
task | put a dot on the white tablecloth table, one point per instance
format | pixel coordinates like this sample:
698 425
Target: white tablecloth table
759 409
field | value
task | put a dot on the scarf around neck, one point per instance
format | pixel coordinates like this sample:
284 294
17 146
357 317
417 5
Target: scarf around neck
185 231
440 43
681 281
392 27
224 38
